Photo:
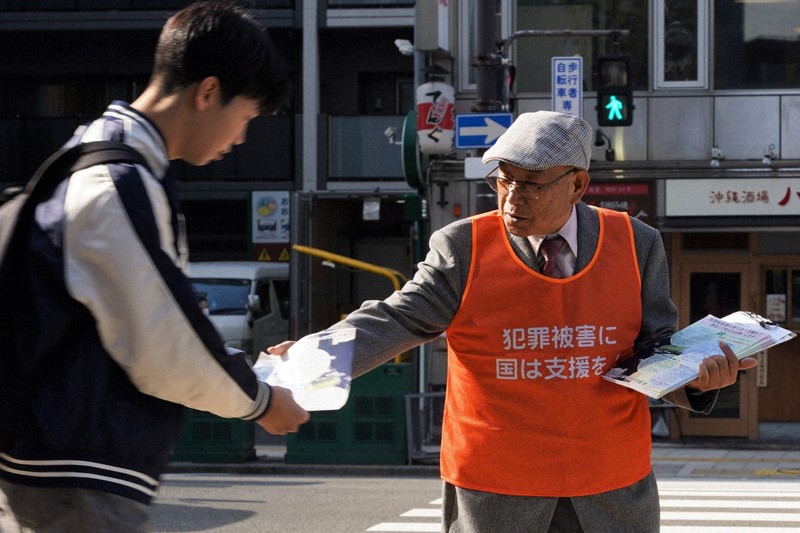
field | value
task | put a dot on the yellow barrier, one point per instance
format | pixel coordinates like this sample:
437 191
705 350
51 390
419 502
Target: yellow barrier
390 273
395 276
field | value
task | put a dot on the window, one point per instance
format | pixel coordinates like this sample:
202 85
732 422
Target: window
263 293
782 295
681 42
468 28
756 44
532 55
224 296
282 288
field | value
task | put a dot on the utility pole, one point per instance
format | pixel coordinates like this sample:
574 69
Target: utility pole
488 63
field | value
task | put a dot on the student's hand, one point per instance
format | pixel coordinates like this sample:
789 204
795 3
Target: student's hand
720 371
284 415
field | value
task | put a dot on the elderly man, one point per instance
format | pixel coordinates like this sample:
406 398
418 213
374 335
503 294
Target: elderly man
538 299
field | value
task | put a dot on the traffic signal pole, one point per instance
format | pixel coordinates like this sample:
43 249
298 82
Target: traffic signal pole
488 63
505 44
503 47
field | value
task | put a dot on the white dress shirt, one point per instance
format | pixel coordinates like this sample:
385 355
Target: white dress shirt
568 254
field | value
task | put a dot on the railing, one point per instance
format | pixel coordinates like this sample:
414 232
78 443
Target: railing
424 413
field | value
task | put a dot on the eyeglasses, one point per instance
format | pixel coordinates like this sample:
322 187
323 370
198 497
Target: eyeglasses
526 189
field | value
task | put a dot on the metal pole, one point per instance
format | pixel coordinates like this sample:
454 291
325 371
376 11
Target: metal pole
506 43
487 63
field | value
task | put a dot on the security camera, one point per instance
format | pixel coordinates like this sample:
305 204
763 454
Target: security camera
405 46
391 134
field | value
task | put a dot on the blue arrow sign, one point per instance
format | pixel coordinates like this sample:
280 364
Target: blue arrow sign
481 130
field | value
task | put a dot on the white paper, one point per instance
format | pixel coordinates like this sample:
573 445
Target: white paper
317 369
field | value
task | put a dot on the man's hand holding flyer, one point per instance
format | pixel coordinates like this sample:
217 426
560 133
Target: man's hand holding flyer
671 366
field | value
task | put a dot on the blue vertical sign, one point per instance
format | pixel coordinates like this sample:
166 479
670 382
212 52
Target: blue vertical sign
567 75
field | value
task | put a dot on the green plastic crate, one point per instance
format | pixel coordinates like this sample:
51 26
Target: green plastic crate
206 438
369 429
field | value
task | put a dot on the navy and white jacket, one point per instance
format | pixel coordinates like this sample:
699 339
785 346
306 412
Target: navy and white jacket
102 342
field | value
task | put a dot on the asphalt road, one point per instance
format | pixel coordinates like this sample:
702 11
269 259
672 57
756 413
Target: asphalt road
249 503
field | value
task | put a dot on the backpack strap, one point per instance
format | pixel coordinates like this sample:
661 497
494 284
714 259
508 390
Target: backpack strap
81 156
63 162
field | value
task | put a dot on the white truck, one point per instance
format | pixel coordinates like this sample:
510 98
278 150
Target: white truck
248 301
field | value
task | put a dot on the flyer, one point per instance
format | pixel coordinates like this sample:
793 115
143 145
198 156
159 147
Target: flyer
317 369
671 366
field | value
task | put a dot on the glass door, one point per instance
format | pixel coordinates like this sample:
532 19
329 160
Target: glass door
778 394
719 288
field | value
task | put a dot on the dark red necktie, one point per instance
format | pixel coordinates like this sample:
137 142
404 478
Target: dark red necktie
548 253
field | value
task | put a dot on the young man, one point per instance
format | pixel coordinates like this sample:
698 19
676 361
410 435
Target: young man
103 340
534 440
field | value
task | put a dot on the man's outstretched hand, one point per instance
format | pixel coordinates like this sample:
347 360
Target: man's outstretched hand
720 371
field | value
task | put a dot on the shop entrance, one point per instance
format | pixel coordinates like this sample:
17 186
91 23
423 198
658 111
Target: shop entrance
719 287
718 274
778 393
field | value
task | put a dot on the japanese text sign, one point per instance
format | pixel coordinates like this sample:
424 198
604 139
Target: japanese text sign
733 197
567 78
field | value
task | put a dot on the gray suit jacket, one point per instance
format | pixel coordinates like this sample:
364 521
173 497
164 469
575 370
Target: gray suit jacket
426 305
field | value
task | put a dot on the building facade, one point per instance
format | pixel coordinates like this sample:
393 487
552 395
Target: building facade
711 159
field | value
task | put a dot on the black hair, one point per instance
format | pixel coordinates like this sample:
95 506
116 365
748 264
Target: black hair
219 39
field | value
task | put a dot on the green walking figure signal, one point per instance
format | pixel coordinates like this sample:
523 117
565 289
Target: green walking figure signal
613 107
614 91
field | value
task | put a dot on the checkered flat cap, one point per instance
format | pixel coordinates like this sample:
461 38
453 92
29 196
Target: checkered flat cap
544 139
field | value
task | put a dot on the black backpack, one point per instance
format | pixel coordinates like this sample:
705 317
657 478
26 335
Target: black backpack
21 206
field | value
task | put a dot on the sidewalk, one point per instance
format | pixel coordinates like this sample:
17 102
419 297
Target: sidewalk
688 461
732 460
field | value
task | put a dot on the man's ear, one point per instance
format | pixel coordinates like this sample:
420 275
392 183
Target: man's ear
208 92
580 182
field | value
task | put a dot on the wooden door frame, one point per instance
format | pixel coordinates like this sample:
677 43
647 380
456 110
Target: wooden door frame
681 268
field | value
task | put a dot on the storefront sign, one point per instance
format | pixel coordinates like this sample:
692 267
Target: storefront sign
435 117
270 225
733 197
632 198
776 307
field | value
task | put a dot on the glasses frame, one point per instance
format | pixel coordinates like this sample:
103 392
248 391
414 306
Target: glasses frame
526 189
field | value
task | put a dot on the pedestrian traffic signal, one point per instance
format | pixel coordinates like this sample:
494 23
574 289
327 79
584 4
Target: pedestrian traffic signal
614 91
614 109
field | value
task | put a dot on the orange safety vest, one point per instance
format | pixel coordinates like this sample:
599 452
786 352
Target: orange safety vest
527 412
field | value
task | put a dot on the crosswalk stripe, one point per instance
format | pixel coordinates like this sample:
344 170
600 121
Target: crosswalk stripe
730 516
719 529
406 527
753 505
423 513
748 495
687 506
727 486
